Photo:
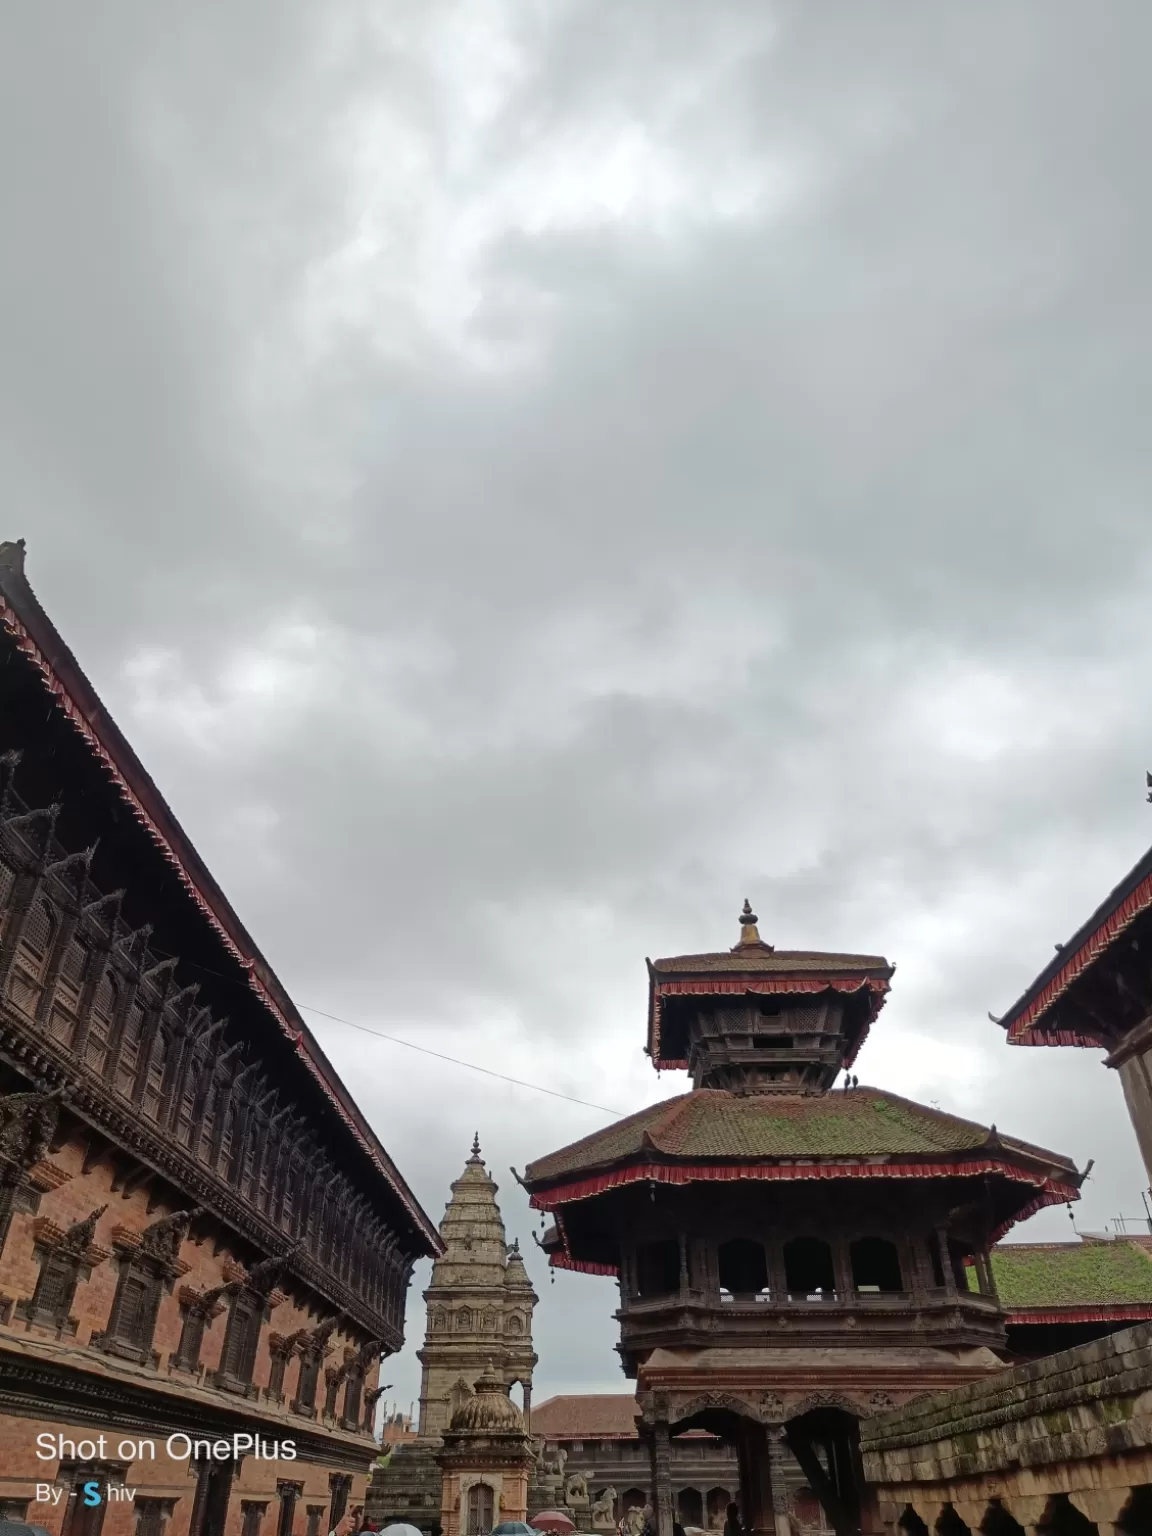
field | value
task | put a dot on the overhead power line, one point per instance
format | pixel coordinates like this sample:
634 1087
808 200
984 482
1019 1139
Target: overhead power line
424 1050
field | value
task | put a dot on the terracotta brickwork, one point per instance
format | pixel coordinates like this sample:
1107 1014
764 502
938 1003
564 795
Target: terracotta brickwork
1072 1433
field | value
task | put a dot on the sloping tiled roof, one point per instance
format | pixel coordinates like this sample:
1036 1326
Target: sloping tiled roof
592 1416
712 1124
755 957
1048 1276
24 624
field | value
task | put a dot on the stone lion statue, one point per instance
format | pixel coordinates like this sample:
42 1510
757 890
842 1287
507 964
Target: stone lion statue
604 1509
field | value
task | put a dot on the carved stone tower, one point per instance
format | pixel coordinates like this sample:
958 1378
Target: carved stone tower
480 1304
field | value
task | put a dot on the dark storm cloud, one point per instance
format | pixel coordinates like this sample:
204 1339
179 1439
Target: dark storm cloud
526 477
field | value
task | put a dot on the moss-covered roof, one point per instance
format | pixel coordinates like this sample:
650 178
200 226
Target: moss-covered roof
711 1124
1050 1276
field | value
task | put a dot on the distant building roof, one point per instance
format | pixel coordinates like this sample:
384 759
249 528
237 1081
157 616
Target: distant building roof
588 1416
1091 1281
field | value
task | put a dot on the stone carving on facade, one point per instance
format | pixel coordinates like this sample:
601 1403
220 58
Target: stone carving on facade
771 1407
27 1124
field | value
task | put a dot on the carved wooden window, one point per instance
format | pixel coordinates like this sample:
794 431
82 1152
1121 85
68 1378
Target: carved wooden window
353 1391
7 910
55 1288
238 1359
481 1505
153 1098
32 954
248 1163
130 1050
227 1142
82 1518
288 1494
191 1340
253 1516
208 1122
315 1515
152 1515
69 989
288 1207
185 1113
340 1486
267 1159
332 1392
134 1307
276 1369
309 1380
99 1040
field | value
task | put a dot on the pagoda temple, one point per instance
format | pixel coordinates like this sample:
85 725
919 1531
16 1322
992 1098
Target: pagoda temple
791 1256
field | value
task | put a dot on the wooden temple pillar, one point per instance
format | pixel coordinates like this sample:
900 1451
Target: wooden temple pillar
753 1458
660 1450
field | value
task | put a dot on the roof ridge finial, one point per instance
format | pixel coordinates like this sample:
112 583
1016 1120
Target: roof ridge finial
475 1158
749 933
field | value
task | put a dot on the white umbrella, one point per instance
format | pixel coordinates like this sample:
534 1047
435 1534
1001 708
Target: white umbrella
400 1529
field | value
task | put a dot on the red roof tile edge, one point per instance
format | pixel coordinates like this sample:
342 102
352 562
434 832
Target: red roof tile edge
1049 1191
134 792
1122 1312
1022 1029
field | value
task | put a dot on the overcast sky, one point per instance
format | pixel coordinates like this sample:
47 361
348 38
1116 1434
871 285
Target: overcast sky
528 474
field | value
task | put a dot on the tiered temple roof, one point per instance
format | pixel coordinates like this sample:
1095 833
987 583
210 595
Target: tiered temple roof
1082 1282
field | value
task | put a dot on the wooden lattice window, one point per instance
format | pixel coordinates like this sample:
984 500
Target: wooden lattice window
331 1393
288 1494
186 1111
191 1340
98 1044
227 1142
276 1370
309 1380
55 1288
130 1050
353 1391
69 989
153 1098
134 1307
32 954
152 1515
238 1359
481 1505
208 1122
252 1515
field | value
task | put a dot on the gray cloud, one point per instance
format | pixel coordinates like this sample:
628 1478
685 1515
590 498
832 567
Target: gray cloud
526 477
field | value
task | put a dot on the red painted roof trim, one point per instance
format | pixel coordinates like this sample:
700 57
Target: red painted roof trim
1126 1312
92 722
1023 1023
1049 1191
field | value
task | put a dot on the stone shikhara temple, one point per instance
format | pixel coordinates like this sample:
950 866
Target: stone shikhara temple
200 1234
793 1257
480 1303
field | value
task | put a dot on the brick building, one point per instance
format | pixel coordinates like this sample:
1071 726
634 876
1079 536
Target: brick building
204 1249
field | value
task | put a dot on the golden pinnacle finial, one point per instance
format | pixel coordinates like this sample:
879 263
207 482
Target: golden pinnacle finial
476 1147
749 933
